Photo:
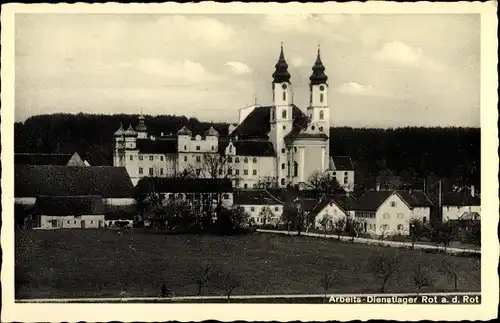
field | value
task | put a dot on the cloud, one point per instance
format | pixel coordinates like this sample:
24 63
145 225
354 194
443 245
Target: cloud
200 30
354 88
239 68
399 52
302 22
185 70
297 61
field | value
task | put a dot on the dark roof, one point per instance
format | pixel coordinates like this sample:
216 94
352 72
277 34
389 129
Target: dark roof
281 73
318 76
463 198
69 205
254 148
256 124
415 198
184 185
254 197
157 146
308 203
36 180
345 203
342 163
41 159
371 200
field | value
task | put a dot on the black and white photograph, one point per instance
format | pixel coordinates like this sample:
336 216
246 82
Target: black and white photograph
327 155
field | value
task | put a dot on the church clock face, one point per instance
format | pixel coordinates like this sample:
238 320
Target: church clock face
283 86
321 88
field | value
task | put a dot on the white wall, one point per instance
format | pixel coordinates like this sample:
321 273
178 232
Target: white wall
90 221
455 212
256 215
119 201
422 213
27 201
332 211
392 216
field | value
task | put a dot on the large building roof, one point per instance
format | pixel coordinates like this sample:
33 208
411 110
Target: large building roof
463 198
372 200
340 163
36 180
254 197
345 203
183 185
415 198
41 159
157 146
69 205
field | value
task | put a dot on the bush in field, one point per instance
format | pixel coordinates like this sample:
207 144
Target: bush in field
383 267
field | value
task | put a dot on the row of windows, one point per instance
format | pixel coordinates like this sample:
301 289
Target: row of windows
365 214
199 148
151 171
237 160
252 208
151 157
188 196
388 216
237 172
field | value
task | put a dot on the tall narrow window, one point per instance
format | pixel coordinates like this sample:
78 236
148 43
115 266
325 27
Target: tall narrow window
321 98
346 179
321 115
282 181
295 169
284 96
283 114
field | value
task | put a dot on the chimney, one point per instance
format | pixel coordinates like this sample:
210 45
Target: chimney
377 187
472 191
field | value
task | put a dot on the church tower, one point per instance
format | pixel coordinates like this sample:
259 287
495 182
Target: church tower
318 111
281 118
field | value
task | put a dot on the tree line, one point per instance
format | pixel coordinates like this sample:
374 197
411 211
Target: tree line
413 152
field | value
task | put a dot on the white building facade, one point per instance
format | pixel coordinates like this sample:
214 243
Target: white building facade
278 144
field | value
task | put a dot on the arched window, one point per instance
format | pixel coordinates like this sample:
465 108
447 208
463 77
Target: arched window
321 115
321 98
346 179
295 169
245 160
282 181
283 114
255 160
229 159
284 95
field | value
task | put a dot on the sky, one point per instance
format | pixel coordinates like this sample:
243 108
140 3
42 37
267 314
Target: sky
384 70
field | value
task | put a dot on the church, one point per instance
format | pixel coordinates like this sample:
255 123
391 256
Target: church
278 145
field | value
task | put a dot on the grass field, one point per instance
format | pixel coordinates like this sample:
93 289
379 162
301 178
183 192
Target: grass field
102 263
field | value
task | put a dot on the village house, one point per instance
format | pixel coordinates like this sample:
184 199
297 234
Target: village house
278 142
35 185
388 212
332 208
197 191
63 212
260 205
49 159
463 205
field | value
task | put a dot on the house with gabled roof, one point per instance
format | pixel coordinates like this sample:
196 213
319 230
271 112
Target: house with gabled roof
462 205
388 212
262 207
278 141
333 208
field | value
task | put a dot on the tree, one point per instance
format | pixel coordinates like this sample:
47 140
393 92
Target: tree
202 275
420 275
172 213
267 182
323 184
339 226
267 214
445 233
450 267
383 267
353 227
325 222
326 282
417 231
228 282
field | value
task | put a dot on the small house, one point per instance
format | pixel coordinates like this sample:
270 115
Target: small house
261 206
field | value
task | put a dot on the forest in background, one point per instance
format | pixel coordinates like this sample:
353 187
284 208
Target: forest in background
413 154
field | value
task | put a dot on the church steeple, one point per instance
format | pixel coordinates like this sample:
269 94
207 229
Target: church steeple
281 74
318 75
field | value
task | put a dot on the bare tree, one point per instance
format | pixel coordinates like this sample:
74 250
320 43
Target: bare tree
325 222
267 214
267 182
228 282
353 228
326 282
420 275
445 234
202 275
450 267
324 184
338 226
417 231
383 267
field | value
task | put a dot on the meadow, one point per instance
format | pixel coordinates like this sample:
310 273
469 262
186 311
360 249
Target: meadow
130 263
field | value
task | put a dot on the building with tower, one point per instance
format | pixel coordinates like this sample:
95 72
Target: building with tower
277 145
